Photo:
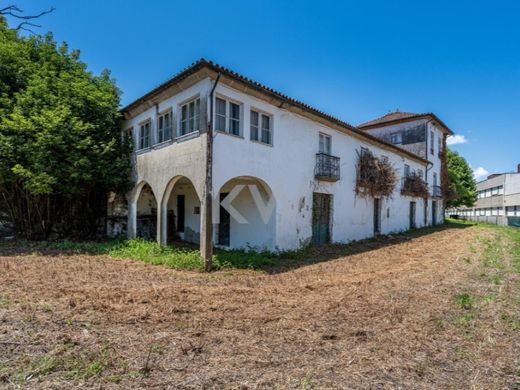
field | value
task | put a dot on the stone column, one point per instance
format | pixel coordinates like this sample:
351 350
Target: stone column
131 230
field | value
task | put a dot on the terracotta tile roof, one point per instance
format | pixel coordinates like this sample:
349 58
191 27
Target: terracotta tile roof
399 116
203 63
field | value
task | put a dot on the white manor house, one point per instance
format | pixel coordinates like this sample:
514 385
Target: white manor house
221 159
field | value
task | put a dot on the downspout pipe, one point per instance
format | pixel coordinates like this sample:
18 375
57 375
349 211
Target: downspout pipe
207 245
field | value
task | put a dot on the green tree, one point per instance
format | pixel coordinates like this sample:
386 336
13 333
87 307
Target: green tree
60 145
462 184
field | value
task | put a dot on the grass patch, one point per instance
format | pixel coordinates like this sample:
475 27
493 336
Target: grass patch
184 256
465 301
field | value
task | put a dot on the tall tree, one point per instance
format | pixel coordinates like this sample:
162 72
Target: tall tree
60 146
461 181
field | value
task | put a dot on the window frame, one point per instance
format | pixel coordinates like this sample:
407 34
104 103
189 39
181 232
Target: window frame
227 118
196 116
432 143
260 129
399 137
328 143
162 114
141 136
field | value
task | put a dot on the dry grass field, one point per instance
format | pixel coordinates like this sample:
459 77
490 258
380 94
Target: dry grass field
432 309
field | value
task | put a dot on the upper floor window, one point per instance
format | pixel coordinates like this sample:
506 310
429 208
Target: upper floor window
164 127
420 173
325 144
439 145
406 170
396 138
364 151
261 128
434 178
432 143
144 134
227 116
190 117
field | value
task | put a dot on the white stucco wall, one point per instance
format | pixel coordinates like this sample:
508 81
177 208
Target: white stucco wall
288 168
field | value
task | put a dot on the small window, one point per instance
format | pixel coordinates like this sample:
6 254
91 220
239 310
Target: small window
364 151
227 116
494 191
420 173
434 178
220 114
500 190
144 135
432 143
190 117
439 145
261 128
234 119
325 145
196 210
396 138
164 127
406 170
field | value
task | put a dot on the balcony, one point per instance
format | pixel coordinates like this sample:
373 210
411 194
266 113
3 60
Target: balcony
436 192
414 186
327 167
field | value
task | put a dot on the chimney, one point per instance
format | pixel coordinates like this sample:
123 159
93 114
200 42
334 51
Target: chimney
518 168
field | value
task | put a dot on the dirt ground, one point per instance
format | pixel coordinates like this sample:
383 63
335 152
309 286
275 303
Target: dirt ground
376 315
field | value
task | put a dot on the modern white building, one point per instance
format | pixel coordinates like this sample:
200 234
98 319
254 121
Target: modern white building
498 200
280 174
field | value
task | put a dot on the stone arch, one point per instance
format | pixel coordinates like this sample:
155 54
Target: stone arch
245 214
180 219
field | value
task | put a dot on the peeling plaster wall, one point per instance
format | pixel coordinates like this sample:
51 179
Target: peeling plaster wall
288 168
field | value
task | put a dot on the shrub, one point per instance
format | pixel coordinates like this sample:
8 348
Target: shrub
376 177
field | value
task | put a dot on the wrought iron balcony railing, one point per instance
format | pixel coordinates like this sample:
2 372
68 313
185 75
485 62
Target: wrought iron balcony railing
327 167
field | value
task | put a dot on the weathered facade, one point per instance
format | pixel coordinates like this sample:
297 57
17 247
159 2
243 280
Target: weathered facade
282 174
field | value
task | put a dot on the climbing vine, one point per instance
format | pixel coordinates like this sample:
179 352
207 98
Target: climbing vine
376 177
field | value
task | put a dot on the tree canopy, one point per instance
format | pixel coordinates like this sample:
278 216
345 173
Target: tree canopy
461 181
60 144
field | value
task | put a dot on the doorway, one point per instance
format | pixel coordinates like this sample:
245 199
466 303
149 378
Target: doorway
321 210
434 212
377 216
413 207
224 227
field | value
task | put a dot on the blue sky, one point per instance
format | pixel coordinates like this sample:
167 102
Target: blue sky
353 59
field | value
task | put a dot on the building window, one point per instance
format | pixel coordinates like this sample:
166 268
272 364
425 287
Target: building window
500 190
261 128
325 144
439 145
406 170
364 151
220 114
190 117
420 173
164 127
144 135
227 116
432 136
234 119
434 178
396 138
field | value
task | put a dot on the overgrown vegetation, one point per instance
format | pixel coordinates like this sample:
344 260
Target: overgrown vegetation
414 185
60 146
182 256
460 187
376 177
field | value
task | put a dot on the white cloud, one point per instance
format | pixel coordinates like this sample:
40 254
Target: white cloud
456 139
480 172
